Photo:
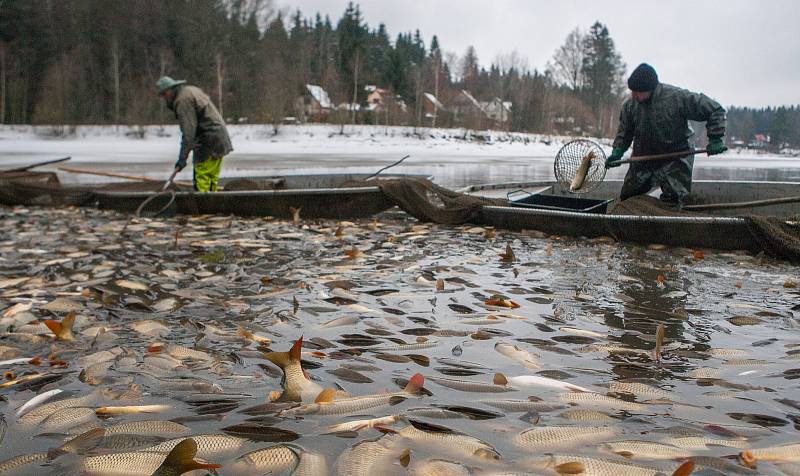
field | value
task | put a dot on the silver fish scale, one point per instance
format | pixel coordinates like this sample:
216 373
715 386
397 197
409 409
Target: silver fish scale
468 386
783 452
345 406
296 383
22 460
66 417
521 405
607 467
586 398
586 415
359 459
311 464
127 442
439 467
693 442
277 459
403 347
456 441
648 449
561 435
637 389
132 463
38 414
208 446
148 427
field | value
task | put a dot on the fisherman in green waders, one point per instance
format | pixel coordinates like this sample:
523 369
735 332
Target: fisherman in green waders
202 128
655 118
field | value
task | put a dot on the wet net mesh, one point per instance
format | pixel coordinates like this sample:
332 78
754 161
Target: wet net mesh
44 188
777 237
426 201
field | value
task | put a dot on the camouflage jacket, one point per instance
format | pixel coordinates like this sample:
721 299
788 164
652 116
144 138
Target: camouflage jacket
660 124
201 125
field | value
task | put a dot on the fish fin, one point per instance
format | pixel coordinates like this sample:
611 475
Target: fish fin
405 457
294 352
62 330
181 458
659 342
155 348
79 444
625 454
415 383
54 326
685 469
281 359
500 379
68 321
395 399
325 396
572 467
384 429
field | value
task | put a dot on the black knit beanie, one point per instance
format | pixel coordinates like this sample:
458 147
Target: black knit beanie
643 78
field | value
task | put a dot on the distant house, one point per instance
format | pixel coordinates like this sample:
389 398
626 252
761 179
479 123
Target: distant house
316 103
497 110
467 110
759 141
431 107
376 97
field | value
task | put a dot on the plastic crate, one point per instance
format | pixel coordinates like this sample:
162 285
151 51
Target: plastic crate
562 203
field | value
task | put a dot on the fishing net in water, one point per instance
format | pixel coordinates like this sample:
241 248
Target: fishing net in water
44 189
426 201
777 237
40 188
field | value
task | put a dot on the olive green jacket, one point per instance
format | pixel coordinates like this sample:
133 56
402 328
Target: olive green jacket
201 125
660 124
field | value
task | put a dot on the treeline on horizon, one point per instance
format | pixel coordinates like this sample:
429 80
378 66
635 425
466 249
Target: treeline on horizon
96 61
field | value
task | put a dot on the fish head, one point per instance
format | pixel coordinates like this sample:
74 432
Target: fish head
748 459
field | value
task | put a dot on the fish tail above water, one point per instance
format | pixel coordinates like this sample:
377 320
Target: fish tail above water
62 330
181 460
284 359
415 383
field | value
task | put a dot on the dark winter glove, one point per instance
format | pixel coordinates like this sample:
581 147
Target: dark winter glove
614 158
180 164
716 146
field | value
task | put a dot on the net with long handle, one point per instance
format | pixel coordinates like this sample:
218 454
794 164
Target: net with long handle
568 165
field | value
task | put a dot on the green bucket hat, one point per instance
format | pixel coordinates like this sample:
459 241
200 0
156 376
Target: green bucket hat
165 82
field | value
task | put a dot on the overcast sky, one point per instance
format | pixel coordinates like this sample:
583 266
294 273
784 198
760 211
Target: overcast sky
740 52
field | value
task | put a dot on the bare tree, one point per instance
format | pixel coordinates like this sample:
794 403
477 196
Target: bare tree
567 63
512 61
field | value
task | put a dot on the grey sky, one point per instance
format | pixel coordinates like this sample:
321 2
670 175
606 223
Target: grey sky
740 52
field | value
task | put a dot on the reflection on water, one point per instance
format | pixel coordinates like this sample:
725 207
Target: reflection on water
447 170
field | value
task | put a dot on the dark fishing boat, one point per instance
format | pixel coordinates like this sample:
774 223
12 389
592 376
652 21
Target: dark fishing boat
543 206
336 196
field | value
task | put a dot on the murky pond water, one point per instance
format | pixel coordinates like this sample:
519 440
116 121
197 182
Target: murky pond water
536 359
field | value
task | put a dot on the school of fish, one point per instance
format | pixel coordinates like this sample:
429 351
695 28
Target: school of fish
253 346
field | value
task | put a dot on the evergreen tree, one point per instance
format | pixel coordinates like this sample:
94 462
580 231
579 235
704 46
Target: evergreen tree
602 72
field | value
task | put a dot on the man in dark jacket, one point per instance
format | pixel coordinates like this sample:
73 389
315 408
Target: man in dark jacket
202 128
655 118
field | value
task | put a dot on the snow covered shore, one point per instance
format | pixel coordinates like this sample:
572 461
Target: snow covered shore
453 156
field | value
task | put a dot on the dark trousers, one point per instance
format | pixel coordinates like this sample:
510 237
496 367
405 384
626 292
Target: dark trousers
674 177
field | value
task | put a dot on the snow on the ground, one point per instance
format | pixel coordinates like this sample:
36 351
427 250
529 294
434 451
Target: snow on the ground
108 143
455 155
